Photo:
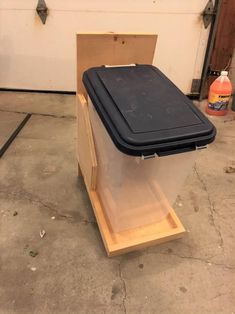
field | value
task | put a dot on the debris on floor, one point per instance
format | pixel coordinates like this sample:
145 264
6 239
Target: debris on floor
42 233
33 253
229 169
33 268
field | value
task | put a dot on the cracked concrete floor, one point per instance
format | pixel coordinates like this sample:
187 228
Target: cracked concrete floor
71 273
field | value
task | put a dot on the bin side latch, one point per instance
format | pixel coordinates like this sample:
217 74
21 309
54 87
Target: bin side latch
201 147
143 157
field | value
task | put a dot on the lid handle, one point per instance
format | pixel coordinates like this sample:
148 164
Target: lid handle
120 65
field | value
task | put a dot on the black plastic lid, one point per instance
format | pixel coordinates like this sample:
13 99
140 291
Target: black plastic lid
144 112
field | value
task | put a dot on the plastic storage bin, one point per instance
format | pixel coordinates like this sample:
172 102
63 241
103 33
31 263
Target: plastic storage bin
146 135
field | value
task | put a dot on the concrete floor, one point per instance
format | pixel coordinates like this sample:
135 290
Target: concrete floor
71 273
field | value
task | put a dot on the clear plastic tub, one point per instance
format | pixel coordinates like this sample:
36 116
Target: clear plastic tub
135 191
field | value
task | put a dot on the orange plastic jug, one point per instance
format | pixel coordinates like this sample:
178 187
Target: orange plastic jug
219 94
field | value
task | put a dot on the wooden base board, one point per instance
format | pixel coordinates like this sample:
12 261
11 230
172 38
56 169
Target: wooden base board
168 229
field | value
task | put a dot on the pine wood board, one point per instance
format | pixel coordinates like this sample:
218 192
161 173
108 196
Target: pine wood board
85 147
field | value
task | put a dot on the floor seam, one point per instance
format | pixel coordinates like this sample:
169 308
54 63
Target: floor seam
40 114
14 134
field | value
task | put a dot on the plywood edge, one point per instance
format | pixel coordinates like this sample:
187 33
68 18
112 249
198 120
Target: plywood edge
85 147
128 245
122 248
116 33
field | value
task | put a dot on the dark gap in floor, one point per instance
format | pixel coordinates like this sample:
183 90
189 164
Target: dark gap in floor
39 114
14 135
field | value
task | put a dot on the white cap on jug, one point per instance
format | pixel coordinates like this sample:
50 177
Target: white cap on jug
224 73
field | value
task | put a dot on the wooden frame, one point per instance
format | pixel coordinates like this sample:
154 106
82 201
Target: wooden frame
110 49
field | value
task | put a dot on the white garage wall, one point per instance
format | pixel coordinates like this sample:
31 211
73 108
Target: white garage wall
37 56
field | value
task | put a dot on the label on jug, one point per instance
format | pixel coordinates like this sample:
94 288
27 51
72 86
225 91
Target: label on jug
218 102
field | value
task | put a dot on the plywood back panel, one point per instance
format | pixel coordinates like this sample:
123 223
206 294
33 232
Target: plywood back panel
112 49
